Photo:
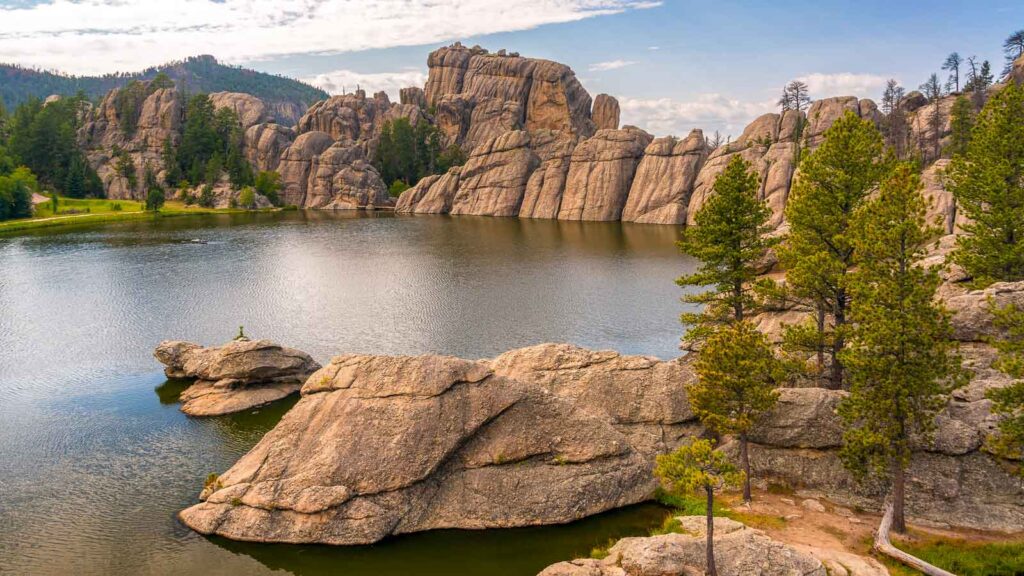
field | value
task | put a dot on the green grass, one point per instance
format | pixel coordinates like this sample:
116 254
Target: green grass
101 211
696 506
967 558
69 206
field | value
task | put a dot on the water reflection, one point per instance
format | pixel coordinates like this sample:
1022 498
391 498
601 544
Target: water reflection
97 458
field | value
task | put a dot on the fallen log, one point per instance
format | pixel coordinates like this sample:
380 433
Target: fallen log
884 546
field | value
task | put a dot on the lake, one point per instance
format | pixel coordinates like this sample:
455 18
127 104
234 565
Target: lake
96 458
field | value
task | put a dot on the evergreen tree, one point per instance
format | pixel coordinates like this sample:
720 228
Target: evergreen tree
16 191
932 89
952 63
961 122
729 240
155 199
894 126
694 467
834 181
988 184
901 357
736 378
1008 402
1013 48
795 96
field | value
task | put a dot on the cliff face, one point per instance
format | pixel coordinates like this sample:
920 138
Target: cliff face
105 132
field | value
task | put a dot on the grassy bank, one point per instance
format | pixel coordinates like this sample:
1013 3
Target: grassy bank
73 211
964 557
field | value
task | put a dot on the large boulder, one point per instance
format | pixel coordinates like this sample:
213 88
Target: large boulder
739 551
431 195
236 376
493 181
600 174
972 319
264 144
802 418
664 180
388 445
250 109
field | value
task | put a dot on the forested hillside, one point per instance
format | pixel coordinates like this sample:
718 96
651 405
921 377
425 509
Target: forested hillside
196 74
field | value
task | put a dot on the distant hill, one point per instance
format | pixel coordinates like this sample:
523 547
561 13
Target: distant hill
195 74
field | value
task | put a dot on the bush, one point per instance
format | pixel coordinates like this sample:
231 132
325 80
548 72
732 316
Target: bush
397 187
268 184
155 199
206 197
115 207
247 198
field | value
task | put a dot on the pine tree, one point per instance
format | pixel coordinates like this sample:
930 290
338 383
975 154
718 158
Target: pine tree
795 96
1013 48
697 466
961 122
729 239
895 124
833 182
1008 402
932 89
952 64
988 184
901 357
736 378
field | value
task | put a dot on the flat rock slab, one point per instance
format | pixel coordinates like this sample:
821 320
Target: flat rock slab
237 376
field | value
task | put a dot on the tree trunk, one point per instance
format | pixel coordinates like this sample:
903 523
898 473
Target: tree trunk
838 342
883 546
745 463
711 532
899 480
821 341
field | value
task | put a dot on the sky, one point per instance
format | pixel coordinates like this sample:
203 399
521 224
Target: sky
674 65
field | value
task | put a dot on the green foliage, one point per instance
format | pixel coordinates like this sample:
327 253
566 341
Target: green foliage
206 197
408 152
397 187
988 184
128 104
901 357
969 557
268 184
43 138
834 180
961 124
736 377
1008 402
211 143
155 199
696 466
247 198
729 240
125 168
199 74
16 191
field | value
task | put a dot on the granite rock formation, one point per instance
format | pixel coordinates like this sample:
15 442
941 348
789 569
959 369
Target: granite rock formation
606 112
236 376
104 132
739 551
664 181
601 171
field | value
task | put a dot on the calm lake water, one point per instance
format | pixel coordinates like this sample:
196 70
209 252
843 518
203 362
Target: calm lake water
96 458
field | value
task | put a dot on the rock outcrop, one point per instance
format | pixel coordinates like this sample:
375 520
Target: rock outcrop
664 181
542 94
236 376
341 179
493 181
606 112
296 164
739 551
250 109
543 197
265 143
600 174
383 445
157 118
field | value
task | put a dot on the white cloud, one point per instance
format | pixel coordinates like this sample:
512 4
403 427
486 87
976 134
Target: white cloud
610 65
96 36
652 48
708 112
844 84
347 80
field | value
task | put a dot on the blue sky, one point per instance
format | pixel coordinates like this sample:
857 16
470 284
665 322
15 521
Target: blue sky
675 64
